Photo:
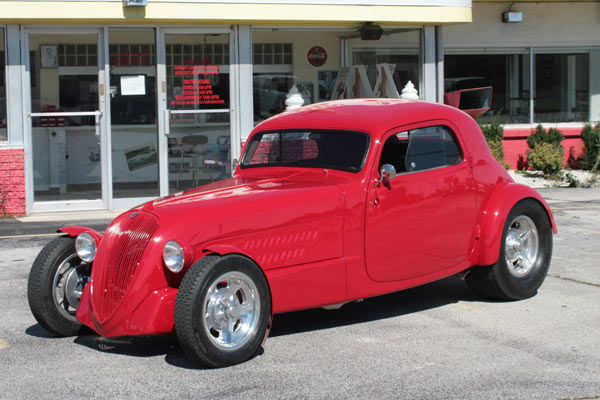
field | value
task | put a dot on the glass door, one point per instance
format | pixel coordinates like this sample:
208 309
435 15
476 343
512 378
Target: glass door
133 123
65 120
196 108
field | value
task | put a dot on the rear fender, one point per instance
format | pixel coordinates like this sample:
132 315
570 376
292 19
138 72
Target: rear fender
494 215
73 231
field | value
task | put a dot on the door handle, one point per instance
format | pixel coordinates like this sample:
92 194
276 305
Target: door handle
167 121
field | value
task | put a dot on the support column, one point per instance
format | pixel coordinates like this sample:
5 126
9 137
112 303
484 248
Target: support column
571 85
594 85
429 90
244 77
14 103
439 57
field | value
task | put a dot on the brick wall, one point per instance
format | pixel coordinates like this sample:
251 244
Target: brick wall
12 182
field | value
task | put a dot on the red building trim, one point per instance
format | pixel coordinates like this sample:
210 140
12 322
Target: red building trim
515 145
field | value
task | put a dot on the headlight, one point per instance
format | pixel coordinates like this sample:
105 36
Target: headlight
173 256
85 245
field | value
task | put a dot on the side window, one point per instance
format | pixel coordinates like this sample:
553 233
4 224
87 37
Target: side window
421 149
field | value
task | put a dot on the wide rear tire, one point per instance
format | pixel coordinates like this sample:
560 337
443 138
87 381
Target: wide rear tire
525 254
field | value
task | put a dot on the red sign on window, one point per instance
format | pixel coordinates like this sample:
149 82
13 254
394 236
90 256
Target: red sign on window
317 56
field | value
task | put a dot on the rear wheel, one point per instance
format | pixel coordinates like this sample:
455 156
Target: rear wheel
525 254
222 310
56 281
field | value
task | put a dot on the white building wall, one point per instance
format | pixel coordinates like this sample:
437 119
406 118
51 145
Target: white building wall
544 25
551 27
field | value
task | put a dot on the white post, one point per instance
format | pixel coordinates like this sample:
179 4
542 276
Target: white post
293 100
409 92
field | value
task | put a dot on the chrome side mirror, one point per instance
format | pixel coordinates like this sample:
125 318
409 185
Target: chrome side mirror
387 173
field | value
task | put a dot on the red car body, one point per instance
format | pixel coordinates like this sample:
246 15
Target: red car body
321 236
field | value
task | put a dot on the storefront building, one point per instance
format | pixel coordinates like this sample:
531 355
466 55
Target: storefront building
106 104
544 67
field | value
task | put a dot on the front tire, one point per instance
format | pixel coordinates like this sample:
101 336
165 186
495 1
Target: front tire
56 280
222 310
525 254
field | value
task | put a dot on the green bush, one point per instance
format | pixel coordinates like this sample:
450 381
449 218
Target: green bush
497 150
540 135
591 146
494 133
546 157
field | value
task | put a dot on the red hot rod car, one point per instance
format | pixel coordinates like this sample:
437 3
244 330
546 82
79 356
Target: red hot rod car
331 203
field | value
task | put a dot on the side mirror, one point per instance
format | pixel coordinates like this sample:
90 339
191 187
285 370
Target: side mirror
387 173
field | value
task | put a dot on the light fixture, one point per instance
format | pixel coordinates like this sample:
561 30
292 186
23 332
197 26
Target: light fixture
135 3
512 16
370 31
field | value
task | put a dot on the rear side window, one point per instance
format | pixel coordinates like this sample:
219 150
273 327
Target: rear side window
421 149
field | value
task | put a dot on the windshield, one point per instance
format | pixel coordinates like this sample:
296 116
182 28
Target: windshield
341 150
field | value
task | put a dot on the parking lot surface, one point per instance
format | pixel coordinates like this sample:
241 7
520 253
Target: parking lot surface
438 341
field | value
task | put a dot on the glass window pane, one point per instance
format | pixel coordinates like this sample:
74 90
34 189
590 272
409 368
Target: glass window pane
507 74
561 87
199 142
133 114
311 60
65 149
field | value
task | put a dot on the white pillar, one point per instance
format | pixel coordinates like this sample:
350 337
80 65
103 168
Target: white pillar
429 89
594 85
571 85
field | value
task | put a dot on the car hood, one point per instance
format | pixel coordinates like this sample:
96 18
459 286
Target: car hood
240 205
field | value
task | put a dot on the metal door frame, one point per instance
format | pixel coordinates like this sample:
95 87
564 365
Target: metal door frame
100 115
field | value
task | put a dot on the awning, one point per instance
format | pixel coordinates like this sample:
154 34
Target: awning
244 12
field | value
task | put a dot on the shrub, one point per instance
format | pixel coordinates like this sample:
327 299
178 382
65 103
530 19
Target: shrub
591 146
540 135
546 157
497 150
494 133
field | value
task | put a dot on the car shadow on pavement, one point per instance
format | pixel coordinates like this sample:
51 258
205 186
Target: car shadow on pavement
426 297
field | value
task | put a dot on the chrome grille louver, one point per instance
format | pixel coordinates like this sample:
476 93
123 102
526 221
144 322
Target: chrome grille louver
119 255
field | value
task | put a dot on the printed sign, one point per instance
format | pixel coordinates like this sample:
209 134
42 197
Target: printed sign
317 56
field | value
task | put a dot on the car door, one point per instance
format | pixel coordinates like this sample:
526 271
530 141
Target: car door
422 221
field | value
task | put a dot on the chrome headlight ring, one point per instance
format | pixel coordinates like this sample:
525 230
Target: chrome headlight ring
173 256
85 246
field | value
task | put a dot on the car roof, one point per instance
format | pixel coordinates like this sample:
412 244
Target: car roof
374 116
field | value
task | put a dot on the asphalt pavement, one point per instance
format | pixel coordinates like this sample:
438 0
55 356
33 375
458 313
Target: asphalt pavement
437 341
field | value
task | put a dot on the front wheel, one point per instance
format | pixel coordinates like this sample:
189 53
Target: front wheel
222 310
55 284
524 259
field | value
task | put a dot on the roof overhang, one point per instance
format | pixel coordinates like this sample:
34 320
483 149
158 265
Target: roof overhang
243 12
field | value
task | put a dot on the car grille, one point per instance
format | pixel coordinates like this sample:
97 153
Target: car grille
118 257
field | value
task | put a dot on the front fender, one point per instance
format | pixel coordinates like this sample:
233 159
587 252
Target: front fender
494 215
73 231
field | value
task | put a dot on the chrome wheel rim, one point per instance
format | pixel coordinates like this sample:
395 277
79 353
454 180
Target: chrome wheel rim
67 286
231 309
521 246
